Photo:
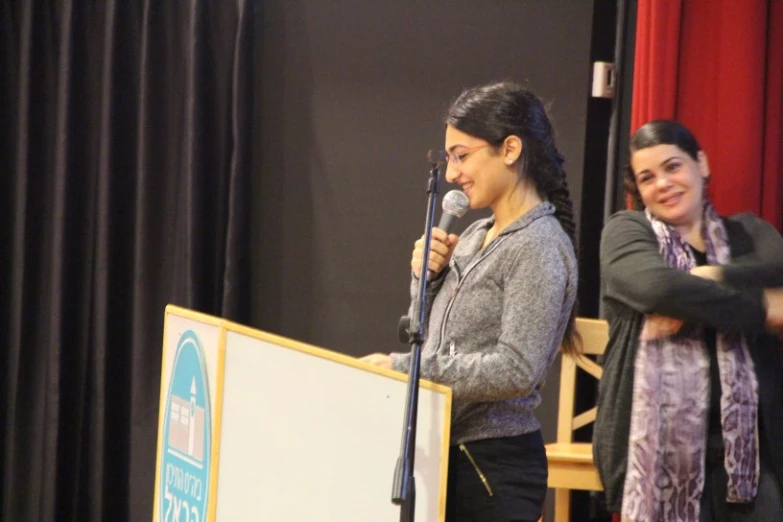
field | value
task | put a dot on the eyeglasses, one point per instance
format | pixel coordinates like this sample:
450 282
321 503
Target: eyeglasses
457 158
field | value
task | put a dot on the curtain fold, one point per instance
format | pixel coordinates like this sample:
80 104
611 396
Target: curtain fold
125 159
721 92
656 57
772 179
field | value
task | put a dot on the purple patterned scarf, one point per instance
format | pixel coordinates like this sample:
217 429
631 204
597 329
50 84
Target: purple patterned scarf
671 396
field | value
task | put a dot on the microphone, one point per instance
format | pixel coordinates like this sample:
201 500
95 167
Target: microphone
455 205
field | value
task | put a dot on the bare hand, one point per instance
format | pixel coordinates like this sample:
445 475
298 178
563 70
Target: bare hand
712 272
441 248
659 326
774 301
380 360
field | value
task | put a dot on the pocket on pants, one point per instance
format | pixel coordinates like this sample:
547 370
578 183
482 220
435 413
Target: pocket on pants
482 477
496 480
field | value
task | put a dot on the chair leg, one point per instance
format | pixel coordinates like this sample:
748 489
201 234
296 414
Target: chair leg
562 505
543 513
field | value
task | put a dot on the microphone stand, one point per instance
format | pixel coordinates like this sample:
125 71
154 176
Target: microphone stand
404 486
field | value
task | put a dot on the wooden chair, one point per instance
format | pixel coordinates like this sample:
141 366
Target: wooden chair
571 463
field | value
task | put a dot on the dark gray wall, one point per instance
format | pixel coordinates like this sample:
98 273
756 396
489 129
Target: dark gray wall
355 93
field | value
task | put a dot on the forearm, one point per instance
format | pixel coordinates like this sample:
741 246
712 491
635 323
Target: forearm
635 274
480 377
693 299
755 275
762 265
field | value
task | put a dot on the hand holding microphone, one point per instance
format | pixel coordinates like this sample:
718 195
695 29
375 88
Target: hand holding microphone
455 205
441 247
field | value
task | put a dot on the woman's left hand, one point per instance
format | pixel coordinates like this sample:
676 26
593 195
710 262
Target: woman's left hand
659 326
381 360
708 272
773 298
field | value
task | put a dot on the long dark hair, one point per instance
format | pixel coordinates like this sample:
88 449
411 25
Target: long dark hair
657 132
495 111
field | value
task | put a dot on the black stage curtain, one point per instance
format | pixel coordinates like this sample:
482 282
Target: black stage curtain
124 185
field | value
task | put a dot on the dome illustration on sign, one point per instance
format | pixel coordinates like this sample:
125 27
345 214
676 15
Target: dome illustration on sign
186 427
187 435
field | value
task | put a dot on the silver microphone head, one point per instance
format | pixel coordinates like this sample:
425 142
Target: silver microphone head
456 203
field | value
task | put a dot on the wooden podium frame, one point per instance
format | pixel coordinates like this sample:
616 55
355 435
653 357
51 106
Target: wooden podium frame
277 429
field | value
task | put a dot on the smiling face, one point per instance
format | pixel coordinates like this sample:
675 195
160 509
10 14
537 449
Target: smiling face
486 174
671 183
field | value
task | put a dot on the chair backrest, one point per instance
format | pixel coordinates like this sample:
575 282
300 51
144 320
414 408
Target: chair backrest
595 335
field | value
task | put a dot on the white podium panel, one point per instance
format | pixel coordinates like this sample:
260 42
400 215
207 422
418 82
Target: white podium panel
298 433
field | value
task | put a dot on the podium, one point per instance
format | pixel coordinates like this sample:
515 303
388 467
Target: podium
258 427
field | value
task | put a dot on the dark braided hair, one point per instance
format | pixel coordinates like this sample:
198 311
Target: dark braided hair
495 111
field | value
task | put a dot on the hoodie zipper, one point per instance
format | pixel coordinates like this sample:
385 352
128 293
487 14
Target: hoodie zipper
478 470
460 279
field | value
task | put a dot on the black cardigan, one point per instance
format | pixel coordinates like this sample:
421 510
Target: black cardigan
635 281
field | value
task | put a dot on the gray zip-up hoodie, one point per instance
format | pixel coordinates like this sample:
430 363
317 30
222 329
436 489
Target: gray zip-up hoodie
496 318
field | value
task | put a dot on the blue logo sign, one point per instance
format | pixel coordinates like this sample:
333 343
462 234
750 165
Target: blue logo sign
187 437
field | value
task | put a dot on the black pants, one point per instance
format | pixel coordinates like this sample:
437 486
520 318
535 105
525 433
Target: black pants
497 480
767 506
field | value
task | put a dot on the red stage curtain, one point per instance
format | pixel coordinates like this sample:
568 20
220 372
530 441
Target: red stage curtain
717 67
655 61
